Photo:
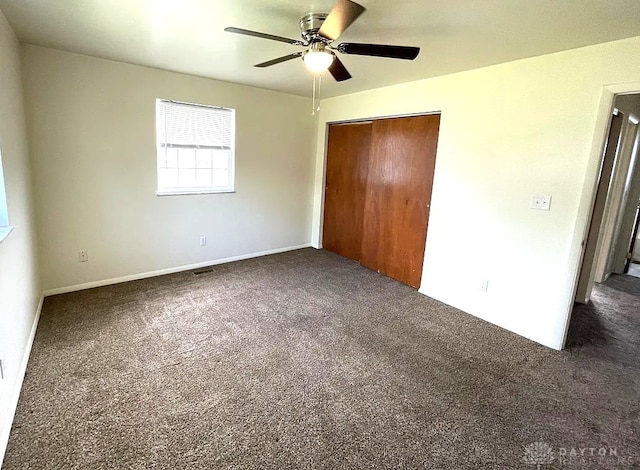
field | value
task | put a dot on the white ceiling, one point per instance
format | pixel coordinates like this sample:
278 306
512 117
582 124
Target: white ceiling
187 35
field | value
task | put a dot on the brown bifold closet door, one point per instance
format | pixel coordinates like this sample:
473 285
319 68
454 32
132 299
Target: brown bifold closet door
401 164
346 177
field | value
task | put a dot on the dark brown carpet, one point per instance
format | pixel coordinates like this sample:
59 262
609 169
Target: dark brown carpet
307 360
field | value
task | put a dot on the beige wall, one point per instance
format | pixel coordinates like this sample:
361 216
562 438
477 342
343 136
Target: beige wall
19 286
507 132
92 135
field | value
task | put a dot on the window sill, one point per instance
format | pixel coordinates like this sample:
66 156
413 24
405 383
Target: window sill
191 193
5 230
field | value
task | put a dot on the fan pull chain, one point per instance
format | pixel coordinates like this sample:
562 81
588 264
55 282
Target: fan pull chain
315 96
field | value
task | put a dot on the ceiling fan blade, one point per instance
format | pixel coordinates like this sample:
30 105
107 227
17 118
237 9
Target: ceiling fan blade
256 34
339 71
340 18
379 50
279 60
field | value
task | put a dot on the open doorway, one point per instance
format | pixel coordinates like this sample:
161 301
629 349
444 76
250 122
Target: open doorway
608 293
632 266
612 231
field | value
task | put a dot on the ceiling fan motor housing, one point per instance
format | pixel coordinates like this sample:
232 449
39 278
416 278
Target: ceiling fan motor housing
310 25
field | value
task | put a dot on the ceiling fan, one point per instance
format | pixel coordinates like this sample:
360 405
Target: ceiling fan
319 30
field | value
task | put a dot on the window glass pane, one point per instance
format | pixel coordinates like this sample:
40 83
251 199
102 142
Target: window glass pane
187 158
203 177
187 177
220 178
169 158
221 159
203 158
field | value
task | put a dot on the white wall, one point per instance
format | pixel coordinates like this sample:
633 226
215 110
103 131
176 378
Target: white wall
92 136
507 132
19 286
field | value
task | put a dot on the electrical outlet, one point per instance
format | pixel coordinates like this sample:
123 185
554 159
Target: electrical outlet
203 240
484 285
541 202
83 256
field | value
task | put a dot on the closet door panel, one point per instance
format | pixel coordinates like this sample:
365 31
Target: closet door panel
398 196
347 159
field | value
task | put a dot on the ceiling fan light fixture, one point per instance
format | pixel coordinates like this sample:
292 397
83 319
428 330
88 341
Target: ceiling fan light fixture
317 58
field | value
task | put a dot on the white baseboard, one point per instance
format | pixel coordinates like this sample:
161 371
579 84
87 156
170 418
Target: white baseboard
15 395
160 272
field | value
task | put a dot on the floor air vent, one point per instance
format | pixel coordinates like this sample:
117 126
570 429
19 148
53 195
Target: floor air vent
197 272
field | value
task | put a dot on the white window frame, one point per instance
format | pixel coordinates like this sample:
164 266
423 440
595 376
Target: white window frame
163 147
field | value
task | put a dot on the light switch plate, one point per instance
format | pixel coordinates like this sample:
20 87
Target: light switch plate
541 202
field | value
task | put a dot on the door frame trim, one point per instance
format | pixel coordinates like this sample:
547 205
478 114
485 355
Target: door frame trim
377 118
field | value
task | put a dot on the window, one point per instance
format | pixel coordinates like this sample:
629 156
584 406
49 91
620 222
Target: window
5 228
196 148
